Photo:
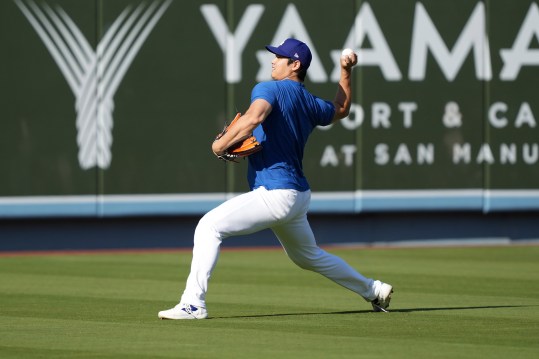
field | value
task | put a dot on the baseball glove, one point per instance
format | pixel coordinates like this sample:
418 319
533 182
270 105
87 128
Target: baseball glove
242 148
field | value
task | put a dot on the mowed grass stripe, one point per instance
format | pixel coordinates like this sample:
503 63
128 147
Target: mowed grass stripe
449 302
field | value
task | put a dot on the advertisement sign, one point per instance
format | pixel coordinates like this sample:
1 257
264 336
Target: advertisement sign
110 107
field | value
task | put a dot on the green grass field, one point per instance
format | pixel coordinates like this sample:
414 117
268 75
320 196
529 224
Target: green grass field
448 303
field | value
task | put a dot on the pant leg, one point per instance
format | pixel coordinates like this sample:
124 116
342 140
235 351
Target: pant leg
299 242
244 214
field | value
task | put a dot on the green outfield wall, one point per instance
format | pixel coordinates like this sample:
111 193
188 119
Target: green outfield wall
109 107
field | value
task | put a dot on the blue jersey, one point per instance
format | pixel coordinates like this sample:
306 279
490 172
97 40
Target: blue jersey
284 133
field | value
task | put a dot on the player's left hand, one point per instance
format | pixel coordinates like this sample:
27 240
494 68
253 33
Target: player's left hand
241 148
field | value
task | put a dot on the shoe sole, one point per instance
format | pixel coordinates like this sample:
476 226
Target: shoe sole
182 318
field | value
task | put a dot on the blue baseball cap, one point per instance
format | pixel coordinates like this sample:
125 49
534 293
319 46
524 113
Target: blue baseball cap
293 49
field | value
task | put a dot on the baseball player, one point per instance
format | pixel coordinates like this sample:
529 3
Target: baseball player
281 116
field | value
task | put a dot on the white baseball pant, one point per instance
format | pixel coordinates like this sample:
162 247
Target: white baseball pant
285 213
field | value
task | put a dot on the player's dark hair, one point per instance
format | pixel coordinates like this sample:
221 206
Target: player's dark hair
302 72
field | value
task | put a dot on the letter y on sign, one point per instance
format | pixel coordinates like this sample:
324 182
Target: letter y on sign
93 76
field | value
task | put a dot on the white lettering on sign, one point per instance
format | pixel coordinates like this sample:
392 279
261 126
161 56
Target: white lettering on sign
427 43
380 115
330 157
407 108
521 54
524 117
366 25
355 118
232 44
426 38
93 75
508 153
452 116
424 154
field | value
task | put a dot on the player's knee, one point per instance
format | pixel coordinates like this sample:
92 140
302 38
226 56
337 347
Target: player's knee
307 262
302 263
206 229
313 261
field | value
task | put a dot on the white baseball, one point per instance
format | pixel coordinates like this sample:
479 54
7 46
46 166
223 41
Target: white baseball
347 52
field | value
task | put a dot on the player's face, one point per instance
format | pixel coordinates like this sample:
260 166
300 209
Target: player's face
280 69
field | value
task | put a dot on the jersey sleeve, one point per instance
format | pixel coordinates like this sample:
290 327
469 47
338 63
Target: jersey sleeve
264 91
327 111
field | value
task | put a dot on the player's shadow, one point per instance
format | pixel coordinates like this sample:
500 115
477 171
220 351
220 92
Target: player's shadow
400 310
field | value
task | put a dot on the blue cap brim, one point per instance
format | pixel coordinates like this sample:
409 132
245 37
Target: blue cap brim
276 51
